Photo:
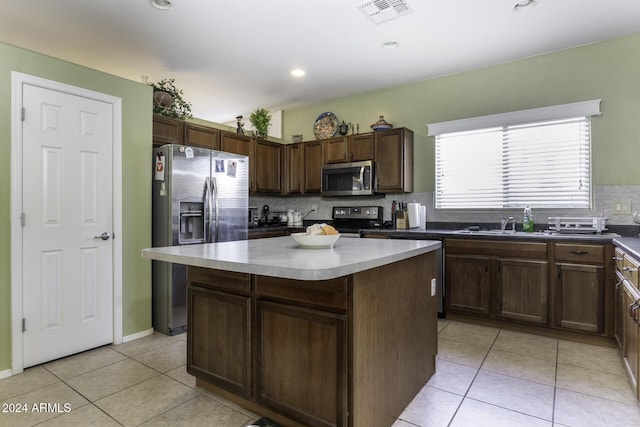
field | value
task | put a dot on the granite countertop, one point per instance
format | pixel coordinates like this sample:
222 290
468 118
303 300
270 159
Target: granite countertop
282 257
492 234
629 244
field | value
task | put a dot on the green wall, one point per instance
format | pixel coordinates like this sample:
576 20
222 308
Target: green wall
136 192
608 70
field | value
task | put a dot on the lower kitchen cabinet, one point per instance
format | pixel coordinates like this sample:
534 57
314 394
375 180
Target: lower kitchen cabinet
468 283
498 279
580 294
630 297
302 362
579 298
522 287
219 335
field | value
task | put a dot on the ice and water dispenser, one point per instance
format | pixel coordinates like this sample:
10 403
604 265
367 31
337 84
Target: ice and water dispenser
191 223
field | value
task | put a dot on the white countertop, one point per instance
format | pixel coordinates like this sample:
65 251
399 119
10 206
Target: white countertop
282 257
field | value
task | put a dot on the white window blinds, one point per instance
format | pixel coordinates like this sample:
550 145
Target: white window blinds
543 164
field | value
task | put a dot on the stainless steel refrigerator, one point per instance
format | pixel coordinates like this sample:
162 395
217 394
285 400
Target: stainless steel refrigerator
199 196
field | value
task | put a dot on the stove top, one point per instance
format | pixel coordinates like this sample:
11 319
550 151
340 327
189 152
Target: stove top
350 219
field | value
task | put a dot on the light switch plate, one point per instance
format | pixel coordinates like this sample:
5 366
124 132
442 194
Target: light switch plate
433 287
622 207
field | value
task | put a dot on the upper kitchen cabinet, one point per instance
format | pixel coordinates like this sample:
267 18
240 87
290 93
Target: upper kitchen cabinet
394 160
267 161
313 166
235 143
167 130
201 136
353 148
294 167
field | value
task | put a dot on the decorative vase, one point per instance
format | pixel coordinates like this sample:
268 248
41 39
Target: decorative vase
381 124
162 99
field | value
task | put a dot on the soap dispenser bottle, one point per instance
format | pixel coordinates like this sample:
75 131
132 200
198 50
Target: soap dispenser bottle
527 220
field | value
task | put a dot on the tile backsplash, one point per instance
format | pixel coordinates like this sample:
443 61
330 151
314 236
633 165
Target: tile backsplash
604 202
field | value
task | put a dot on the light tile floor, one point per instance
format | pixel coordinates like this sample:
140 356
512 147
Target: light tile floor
485 377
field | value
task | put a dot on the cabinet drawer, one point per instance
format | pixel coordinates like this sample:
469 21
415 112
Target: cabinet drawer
499 248
219 279
579 253
630 270
325 293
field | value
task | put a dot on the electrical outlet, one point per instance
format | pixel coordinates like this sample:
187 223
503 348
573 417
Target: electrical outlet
433 287
314 208
622 207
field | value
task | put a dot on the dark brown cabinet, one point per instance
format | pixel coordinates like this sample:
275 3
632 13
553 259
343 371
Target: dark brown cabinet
522 290
235 143
468 284
394 160
167 130
302 362
499 279
201 136
312 167
580 287
335 150
627 315
294 168
219 329
267 164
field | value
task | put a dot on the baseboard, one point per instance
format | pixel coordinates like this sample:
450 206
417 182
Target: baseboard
137 335
6 373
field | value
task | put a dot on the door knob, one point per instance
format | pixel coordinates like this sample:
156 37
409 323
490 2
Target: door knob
103 236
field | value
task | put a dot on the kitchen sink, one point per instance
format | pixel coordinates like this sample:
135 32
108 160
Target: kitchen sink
507 233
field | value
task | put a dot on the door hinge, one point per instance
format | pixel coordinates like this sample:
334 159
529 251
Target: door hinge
23 113
22 219
24 324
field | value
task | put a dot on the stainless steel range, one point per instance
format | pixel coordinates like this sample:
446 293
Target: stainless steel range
349 220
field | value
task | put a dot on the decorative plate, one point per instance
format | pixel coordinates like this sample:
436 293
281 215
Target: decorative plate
326 125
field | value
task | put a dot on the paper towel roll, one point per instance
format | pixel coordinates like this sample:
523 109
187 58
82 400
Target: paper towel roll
423 217
413 212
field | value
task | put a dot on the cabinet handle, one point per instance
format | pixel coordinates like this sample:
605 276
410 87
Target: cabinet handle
577 252
615 258
619 283
629 269
632 310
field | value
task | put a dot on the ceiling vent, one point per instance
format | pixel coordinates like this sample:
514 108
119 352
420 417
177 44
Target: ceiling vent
379 11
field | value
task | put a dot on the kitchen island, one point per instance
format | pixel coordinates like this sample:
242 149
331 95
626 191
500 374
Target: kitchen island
345 336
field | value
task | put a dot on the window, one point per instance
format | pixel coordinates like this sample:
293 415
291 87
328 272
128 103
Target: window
531 159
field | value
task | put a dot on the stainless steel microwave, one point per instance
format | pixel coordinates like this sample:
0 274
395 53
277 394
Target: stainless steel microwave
349 179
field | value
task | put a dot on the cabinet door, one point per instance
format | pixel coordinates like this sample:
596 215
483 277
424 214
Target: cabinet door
335 150
620 311
522 290
580 297
394 160
302 365
267 160
312 166
235 143
167 130
467 282
360 147
294 166
631 336
200 136
218 339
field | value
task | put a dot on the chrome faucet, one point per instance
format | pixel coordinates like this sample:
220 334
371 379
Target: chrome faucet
504 222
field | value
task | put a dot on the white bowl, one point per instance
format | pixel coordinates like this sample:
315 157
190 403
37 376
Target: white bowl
315 242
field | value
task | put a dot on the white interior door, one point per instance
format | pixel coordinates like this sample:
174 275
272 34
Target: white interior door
67 262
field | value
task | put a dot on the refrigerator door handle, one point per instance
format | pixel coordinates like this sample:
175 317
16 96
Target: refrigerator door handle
208 209
214 186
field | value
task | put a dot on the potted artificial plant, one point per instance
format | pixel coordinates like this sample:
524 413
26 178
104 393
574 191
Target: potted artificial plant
260 119
168 101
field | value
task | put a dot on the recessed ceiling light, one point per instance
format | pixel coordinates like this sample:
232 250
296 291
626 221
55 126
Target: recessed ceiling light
390 45
297 72
524 5
161 4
